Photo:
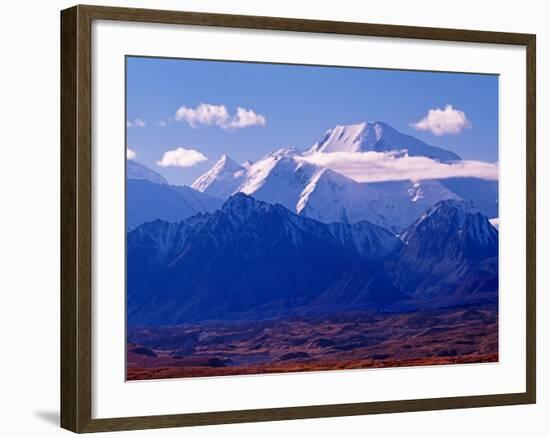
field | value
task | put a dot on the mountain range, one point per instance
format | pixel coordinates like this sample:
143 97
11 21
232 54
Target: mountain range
283 236
215 265
325 195
310 190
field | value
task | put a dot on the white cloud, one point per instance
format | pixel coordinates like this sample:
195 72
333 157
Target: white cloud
204 114
245 118
443 121
136 123
130 154
218 115
181 157
391 166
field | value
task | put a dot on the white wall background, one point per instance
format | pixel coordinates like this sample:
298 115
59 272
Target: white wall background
29 216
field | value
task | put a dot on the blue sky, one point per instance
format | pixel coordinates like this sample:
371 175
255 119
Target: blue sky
299 103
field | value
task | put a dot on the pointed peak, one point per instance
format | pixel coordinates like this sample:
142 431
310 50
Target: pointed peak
327 173
225 159
451 212
443 208
380 124
448 205
350 138
243 204
377 136
225 162
239 199
222 179
452 225
239 207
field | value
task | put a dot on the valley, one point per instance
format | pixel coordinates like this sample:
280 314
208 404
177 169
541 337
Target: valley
342 340
286 264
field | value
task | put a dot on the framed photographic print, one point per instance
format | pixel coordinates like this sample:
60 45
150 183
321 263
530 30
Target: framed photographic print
305 218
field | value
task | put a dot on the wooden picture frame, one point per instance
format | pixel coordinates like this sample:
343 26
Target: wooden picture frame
76 217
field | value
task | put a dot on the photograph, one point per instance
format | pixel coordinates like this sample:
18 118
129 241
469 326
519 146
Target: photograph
266 219
285 218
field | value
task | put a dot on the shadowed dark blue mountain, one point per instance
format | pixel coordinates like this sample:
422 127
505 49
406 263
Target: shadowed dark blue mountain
449 254
252 260
242 257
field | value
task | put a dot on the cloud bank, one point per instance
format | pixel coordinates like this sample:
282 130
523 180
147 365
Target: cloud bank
218 115
130 154
392 166
443 121
181 157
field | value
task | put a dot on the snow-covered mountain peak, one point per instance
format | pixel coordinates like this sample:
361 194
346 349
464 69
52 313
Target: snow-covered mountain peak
377 136
360 137
286 152
341 138
277 178
310 190
332 197
222 180
226 164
